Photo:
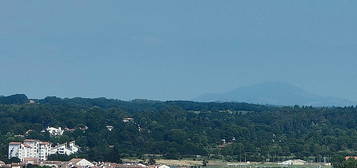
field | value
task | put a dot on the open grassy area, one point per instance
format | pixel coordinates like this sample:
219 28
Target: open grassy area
224 164
269 165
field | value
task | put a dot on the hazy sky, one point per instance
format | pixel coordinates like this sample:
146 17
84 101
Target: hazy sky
175 49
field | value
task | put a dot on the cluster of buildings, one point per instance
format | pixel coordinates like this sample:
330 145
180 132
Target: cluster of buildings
77 163
35 149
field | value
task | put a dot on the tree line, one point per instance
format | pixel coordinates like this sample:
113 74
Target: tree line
178 129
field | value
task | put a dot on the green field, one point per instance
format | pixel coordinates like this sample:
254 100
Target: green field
270 165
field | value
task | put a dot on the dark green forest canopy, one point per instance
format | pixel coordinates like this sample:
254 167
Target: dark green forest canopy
176 129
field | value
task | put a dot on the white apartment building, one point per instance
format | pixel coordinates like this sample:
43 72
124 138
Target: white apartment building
31 148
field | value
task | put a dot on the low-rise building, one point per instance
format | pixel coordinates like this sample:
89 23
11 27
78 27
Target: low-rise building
109 127
65 149
33 161
17 165
53 164
78 162
128 119
55 131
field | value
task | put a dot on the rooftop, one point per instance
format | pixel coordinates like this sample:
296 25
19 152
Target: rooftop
75 160
30 140
27 146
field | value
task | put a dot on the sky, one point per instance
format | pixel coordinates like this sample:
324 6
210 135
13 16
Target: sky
175 49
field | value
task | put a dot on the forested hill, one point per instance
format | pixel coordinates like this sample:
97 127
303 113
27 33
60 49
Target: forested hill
14 99
177 129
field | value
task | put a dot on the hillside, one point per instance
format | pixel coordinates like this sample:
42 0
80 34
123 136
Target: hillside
14 99
274 93
176 129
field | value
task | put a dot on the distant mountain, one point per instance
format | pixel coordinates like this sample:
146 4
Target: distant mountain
274 93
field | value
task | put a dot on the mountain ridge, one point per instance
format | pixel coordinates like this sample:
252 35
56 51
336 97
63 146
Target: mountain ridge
274 93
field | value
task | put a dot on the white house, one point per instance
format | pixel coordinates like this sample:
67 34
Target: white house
55 131
109 127
125 120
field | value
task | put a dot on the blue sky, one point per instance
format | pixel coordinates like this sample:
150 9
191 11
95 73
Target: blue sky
175 49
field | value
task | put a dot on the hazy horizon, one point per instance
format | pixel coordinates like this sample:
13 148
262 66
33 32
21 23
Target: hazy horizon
175 50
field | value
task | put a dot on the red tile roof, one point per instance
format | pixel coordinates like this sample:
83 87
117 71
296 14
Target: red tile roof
350 157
